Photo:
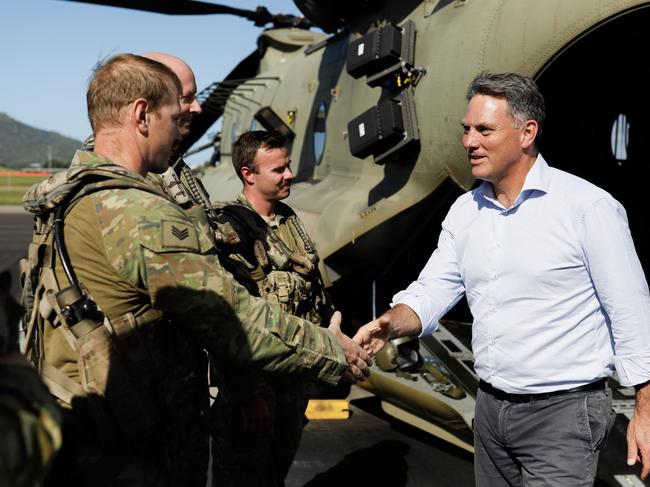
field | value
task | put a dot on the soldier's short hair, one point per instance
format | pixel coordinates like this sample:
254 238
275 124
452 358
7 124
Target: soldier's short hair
247 145
124 78
523 98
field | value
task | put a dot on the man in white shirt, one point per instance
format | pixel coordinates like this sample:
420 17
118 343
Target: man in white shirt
558 296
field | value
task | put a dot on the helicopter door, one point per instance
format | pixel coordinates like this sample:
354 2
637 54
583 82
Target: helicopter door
597 119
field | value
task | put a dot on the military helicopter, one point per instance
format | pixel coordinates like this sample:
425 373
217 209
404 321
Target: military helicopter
372 106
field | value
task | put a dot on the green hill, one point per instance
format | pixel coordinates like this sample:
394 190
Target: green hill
22 145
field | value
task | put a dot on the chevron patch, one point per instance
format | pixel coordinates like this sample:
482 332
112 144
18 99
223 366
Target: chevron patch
179 235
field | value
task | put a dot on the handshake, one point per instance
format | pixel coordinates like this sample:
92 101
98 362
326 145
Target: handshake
360 349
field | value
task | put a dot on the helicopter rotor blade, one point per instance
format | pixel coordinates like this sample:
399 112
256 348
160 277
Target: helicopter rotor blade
261 16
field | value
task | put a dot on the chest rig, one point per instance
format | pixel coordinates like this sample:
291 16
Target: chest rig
139 378
279 264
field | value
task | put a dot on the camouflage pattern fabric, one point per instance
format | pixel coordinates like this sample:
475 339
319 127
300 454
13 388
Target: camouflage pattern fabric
135 250
286 273
29 425
29 417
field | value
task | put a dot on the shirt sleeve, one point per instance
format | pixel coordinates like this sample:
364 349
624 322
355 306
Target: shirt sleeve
177 266
621 286
439 286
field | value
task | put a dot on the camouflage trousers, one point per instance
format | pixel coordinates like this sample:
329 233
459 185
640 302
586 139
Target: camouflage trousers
262 459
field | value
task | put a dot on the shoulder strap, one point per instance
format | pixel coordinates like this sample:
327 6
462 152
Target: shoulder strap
76 182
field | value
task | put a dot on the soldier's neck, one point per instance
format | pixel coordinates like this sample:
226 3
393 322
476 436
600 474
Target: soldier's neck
110 144
260 205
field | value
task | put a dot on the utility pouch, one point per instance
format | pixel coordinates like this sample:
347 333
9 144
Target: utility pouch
111 387
80 313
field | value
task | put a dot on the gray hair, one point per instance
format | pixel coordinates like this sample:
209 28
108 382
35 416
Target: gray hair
524 100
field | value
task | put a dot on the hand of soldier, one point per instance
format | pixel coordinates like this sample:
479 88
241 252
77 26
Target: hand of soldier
257 415
374 336
358 359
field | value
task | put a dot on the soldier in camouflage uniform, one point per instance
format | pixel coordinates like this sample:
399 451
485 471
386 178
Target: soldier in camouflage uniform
117 320
266 247
29 417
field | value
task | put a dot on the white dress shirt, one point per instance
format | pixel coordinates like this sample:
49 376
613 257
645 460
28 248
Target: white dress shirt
554 284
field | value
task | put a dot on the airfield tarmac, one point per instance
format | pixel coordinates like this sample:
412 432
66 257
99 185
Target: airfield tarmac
368 448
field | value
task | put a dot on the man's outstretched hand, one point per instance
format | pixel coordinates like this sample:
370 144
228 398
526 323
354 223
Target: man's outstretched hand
398 321
358 359
374 336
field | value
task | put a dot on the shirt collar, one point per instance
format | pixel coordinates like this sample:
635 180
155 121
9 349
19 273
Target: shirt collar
537 179
273 221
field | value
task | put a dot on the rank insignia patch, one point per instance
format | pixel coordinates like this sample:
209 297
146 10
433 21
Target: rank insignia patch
179 235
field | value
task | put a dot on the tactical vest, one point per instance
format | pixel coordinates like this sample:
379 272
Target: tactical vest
259 259
140 376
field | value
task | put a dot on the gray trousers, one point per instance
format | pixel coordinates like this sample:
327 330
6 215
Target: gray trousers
552 442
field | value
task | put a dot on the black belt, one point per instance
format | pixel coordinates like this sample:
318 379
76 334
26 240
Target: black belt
506 396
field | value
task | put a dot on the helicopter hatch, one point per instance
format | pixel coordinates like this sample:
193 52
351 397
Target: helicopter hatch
597 103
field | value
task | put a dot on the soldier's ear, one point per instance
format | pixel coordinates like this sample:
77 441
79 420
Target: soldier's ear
139 115
247 175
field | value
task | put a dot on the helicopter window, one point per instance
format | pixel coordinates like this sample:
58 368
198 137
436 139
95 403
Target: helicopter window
620 138
319 132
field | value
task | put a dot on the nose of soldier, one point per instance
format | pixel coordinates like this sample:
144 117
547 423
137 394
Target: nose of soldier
195 107
288 174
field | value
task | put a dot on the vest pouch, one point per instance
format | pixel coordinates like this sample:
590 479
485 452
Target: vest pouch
114 395
278 287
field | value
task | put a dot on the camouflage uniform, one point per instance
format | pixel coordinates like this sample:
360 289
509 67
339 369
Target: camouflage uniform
29 417
165 296
275 259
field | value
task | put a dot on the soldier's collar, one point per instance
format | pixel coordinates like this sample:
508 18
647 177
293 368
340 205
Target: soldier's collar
272 221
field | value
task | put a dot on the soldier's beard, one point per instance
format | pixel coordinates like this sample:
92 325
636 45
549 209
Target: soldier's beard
176 150
184 127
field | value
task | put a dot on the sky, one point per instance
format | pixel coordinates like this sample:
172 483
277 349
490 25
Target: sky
48 48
